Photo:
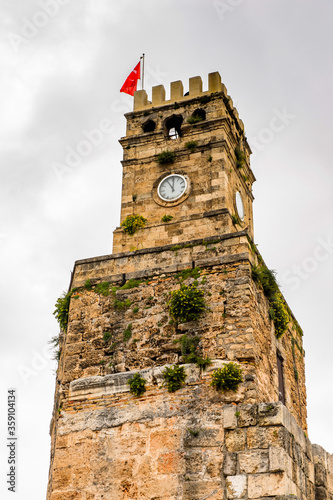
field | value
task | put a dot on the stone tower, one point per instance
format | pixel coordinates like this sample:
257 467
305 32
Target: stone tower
187 184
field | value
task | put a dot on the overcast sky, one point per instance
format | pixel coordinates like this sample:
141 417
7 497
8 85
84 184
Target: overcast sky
62 65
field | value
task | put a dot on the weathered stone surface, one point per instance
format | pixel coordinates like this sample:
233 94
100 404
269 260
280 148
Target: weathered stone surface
252 462
237 486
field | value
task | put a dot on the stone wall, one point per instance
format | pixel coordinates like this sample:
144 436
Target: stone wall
185 445
96 419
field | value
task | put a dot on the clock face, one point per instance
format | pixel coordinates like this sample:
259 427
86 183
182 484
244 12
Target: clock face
239 206
172 187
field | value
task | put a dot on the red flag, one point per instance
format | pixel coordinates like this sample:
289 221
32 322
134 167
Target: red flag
131 81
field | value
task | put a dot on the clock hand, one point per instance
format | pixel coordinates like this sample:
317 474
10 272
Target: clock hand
170 185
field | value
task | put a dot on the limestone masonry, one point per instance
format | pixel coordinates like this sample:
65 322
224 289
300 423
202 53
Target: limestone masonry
186 172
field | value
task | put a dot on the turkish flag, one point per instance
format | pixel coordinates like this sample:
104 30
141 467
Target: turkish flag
131 81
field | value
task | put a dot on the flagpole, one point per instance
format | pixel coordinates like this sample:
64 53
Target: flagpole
143 70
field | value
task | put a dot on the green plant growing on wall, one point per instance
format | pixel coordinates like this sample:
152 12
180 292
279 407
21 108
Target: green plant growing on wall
195 118
278 310
174 377
137 385
227 378
166 218
130 284
56 349
102 288
190 352
191 145
166 157
87 285
240 157
118 304
62 309
127 334
186 304
107 336
280 314
132 223
188 273
236 220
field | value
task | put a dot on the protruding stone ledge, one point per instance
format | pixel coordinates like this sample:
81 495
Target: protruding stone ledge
117 383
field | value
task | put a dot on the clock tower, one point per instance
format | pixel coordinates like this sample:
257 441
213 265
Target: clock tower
181 366
185 158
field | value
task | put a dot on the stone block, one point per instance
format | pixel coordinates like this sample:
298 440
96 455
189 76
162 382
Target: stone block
252 462
158 95
270 485
271 414
170 463
229 417
236 486
320 475
230 464
321 493
195 86
214 82
235 440
279 461
61 478
140 99
176 90
204 439
201 489
248 415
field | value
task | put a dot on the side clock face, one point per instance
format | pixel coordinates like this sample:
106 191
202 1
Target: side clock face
239 206
172 187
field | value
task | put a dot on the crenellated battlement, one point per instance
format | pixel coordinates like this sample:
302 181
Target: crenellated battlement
177 92
215 85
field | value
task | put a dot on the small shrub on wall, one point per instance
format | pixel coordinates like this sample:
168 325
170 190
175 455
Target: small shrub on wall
174 377
137 385
186 304
227 378
133 223
278 310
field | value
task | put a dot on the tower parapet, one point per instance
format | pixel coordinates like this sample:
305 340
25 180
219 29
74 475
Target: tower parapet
215 85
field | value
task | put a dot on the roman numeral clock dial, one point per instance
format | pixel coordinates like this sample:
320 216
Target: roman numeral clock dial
172 187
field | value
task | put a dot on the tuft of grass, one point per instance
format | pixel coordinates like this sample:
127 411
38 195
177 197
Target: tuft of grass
166 157
103 288
191 145
107 336
127 334
130 284
88 285
166 218
118 304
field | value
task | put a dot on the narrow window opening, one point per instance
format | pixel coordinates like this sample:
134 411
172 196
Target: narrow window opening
173 134
198 115
149 126
172 126
282 395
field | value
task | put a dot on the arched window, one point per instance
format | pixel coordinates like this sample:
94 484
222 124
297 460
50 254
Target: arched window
149 126
172 126
198 115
